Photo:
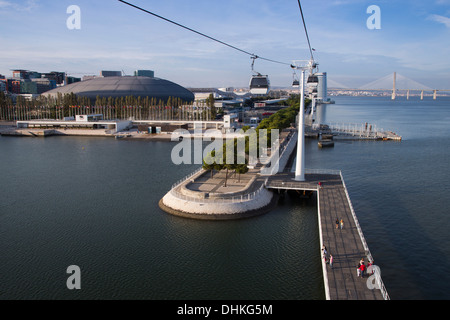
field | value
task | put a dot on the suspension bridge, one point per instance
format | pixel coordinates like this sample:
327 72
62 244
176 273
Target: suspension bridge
400 85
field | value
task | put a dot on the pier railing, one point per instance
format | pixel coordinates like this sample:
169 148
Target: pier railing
176 184
231 199
357 130
323 171
364 242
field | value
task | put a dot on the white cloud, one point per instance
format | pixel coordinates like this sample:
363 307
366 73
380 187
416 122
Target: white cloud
4 4
29 5
440 19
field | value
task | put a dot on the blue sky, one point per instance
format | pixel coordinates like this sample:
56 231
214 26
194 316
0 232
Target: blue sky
414 39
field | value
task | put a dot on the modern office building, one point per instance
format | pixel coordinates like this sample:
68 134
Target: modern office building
37 86
70 80
58 77
322 86
18 74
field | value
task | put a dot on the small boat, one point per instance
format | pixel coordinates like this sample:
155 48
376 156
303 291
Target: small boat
121 136
327 136
323 143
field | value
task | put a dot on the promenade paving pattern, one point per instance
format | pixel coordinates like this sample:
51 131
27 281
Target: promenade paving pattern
217 183
344 244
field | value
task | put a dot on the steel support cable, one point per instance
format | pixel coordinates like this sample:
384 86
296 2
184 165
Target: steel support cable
306 31
253 56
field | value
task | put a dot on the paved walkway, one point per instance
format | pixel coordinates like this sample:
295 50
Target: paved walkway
216 183
346 245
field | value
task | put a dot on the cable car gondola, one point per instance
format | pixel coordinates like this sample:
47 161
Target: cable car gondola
312 80
295 81
259 84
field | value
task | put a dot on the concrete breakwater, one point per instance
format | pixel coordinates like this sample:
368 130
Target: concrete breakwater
226 195
53 132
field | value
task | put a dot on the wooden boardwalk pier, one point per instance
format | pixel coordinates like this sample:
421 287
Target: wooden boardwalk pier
346 245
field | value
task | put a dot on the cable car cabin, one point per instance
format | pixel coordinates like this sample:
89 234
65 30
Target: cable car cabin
259 84
295 83
313 80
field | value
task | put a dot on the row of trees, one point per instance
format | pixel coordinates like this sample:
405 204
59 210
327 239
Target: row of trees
282 119
69 105
217 160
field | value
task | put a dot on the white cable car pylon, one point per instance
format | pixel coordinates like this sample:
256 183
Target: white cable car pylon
303 66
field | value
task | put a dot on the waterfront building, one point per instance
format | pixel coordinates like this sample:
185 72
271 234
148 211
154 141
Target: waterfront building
144 73
70 80
58 77
322 86
14 86
20 74
36 86
124 86
230 121
34 75
87 122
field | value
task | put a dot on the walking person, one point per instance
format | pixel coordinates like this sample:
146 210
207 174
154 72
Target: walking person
358 270
337 223
331 261
342 224
363 269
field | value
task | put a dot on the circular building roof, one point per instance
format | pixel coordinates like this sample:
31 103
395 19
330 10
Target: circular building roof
125 86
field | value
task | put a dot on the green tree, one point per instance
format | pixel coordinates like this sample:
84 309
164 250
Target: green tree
210 163
210 104
241 169
209 167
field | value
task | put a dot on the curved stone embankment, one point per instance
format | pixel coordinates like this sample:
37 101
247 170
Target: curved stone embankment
263 202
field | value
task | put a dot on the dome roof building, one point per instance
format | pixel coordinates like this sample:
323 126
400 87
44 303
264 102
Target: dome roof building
123 86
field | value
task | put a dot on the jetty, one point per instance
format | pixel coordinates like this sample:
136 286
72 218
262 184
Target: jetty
346 245
350 131
219 196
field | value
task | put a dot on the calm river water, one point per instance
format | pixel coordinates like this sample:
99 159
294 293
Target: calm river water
93 202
